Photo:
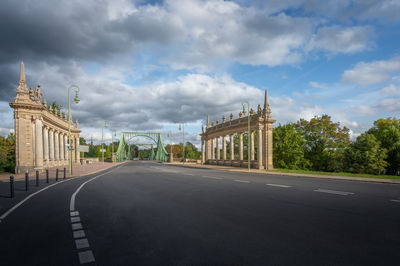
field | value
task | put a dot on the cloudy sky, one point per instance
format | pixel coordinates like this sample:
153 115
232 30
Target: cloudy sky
148 65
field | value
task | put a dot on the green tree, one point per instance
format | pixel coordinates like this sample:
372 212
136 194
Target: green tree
365 155
387 131
289 147
7 153
326 142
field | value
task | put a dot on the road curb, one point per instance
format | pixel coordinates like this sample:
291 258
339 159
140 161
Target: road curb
344 178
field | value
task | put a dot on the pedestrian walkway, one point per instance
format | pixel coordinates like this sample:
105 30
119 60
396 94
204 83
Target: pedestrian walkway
77 170
266 172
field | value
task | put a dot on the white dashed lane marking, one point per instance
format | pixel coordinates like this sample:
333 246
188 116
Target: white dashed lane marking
76 226
189 174
212 177
75 219
343 193
86 257
241 181
81 243
74 213
277 185
79 234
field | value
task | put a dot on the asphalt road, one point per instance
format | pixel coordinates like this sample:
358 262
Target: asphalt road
145 213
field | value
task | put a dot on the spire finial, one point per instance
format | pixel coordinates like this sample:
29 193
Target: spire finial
208 121
22 73
266 100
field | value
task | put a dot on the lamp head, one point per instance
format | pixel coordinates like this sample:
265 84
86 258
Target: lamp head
76 98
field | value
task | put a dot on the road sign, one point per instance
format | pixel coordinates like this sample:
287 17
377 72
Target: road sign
83 148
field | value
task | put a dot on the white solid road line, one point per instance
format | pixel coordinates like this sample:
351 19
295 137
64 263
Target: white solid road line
212 177
395 200
72 202
241 181
4 215
343 193
277 185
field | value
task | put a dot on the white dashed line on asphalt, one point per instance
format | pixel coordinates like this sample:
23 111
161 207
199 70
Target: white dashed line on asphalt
76 226
75 219
395 200
241 181
86 257
277 185
74 213
79 234
343 193
189 174
81 243
212 177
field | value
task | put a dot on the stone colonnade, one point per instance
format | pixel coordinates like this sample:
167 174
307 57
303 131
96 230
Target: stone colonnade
260 125
41 132
211 150
51 146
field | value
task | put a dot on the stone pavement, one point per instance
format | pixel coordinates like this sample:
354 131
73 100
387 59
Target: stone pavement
77 170
266 172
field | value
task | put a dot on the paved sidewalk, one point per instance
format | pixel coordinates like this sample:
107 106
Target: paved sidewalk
245 170
77 170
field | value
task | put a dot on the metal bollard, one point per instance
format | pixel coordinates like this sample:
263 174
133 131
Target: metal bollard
11 186
57 174
64 172
26 181
47 176
37 178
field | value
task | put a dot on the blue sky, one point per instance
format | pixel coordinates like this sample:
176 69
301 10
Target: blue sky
148 65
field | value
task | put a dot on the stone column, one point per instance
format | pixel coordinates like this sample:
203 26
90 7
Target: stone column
56 148
212 148
208 149
218 149
66 148
61 148
259 148
203 151
252 145
269 148
224 148
78 153
33 143
241 146
46 145
38 144
232 148
51 146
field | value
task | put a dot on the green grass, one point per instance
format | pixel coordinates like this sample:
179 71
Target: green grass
333 173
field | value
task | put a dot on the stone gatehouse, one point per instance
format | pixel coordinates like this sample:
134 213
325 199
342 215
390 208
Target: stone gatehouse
41 132
260 121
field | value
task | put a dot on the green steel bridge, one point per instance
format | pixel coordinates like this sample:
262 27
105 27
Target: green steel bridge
124 148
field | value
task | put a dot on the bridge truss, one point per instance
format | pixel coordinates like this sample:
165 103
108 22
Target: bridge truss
124 148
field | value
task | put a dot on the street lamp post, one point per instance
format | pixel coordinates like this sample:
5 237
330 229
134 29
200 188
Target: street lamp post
105 125
248 132
112 143
76 89
183 139
171 154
